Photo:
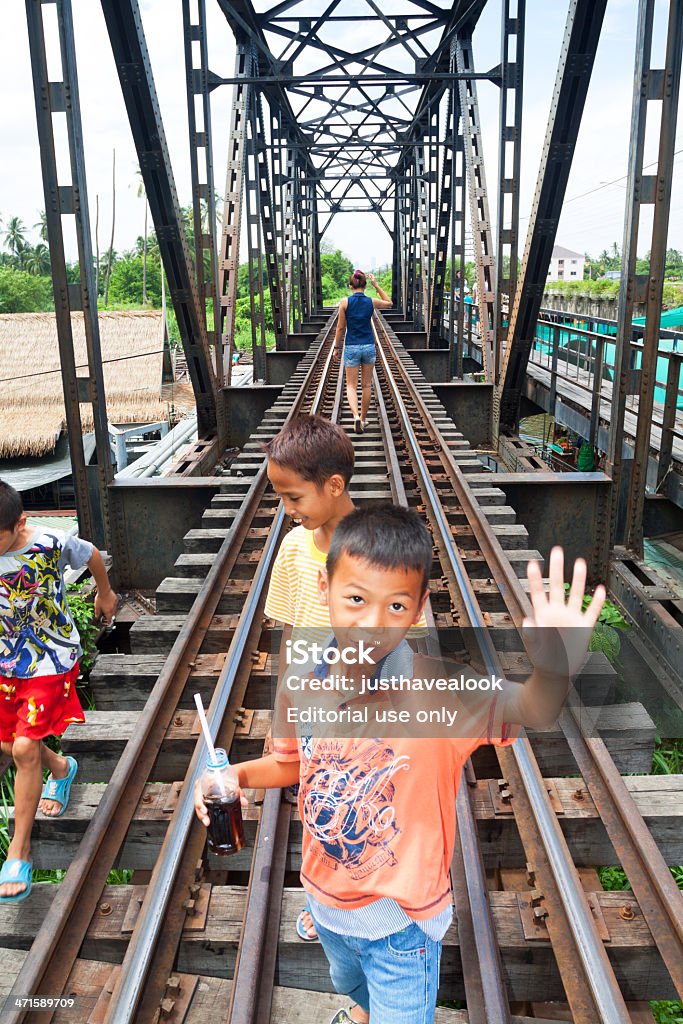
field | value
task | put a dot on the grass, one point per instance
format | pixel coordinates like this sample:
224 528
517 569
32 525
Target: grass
118 877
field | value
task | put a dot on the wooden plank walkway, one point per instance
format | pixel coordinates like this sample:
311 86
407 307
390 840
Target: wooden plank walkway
576 391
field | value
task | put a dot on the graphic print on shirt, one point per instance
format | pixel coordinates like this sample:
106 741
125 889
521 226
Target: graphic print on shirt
34 622
348 807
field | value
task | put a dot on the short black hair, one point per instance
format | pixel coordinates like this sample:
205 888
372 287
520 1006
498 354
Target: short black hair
313 447
386 537
11 506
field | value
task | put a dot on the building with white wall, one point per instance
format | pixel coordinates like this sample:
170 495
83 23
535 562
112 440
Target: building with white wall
566 265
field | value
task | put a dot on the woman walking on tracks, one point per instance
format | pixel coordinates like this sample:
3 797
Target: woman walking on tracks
355 319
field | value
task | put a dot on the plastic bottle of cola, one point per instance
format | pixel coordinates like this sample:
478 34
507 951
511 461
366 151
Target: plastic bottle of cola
220 789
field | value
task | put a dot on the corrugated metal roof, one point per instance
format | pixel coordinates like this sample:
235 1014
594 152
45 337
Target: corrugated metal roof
69 524
26 473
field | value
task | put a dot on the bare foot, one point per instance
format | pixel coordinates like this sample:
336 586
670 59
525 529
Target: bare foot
309 927
52 807
13 888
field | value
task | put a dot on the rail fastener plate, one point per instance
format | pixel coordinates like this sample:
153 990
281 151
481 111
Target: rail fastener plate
502 797
532 915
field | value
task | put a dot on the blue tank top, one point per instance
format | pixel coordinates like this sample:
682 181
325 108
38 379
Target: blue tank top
359 309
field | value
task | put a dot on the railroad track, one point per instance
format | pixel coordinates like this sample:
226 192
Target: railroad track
191 940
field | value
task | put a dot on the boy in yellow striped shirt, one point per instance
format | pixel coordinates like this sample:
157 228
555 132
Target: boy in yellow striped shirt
310 465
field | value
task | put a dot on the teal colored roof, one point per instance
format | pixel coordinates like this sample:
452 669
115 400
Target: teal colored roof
670 318
65 523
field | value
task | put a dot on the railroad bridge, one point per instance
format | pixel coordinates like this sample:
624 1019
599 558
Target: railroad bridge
392 128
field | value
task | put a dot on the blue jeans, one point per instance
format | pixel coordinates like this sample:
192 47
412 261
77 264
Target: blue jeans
354 355
395 979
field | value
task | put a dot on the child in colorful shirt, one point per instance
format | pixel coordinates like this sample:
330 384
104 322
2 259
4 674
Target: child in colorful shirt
378 814
39 651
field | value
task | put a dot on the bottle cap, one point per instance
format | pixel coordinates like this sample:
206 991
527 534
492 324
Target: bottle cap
221 760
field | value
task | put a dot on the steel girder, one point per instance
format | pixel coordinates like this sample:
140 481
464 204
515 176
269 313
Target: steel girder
203 192
445 214
478 196
357 142
509 164
423 238
228 263
456 307
129 48
651 86
268 225
582 33
260 236
80 384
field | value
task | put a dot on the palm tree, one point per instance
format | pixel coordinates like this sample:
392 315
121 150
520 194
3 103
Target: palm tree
41 224
15 239
36 259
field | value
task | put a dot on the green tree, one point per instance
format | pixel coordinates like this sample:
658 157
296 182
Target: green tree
15 236
21 292
36 259
674 263
336 269
126 280
143 195
41 224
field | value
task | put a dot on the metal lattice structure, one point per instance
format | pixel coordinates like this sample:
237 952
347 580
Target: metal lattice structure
339 109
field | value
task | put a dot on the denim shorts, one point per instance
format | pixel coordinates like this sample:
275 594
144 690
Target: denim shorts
354 355
395 978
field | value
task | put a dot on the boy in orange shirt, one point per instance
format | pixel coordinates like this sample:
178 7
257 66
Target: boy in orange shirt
378 814
310 465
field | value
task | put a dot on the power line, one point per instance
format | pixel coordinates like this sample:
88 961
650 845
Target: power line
80 366
605 184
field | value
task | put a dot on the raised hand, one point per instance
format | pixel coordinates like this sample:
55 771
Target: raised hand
558 634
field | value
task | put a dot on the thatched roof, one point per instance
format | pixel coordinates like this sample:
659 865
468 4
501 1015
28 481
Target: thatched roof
31 400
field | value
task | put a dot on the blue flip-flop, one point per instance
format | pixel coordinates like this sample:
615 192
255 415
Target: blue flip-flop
301 931
59 789
15 870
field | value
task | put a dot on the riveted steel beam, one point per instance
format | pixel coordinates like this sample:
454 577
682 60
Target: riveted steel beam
129 48
509 167
652 87
228 263
203 191
444 215
478 197
80 384
582 33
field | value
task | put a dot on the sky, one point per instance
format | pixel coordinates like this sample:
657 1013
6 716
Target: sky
593 212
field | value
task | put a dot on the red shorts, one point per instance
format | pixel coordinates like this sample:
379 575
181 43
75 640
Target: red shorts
38 707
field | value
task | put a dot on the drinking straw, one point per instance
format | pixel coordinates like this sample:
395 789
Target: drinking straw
205 725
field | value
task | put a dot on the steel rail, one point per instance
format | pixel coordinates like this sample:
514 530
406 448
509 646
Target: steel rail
59 938
143 941
605 1003
482 964
660 899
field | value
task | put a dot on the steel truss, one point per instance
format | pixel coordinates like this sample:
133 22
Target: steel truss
321 126
54 97
129 48
203 192
509 163
651 86
581 37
